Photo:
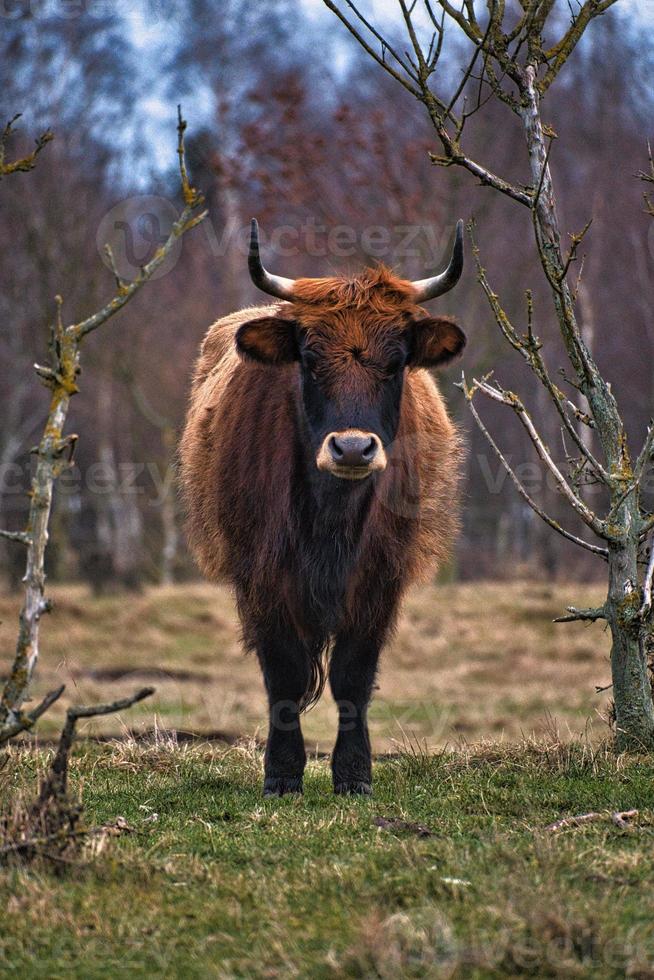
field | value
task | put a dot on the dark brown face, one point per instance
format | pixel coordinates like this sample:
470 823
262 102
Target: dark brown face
353 363
351 394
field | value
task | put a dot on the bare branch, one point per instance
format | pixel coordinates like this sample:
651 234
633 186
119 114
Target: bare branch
575 242
581 615
468 24
122 285
557 55
510 399
23 721
593 548
20 536
530 348
646 454
55 784
454 155
180 227
186 221
439 110
25 163
192 197
381 61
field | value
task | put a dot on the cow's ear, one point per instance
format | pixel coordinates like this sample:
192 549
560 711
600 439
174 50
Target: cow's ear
269 340
435 340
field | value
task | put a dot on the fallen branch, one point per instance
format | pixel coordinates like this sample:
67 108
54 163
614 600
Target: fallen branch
56 784
620 818
23 848
403 826
49 828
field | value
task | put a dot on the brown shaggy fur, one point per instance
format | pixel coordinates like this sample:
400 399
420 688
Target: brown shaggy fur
237 442
319 564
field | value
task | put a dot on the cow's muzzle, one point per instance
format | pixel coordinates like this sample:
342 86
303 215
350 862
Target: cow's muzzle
351 454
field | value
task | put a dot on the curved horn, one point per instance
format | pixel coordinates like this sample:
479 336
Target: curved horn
273 285
437 285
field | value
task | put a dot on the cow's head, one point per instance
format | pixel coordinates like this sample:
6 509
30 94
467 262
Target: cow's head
354 341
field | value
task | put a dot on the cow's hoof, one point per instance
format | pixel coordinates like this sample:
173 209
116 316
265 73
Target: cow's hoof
280 785
352 788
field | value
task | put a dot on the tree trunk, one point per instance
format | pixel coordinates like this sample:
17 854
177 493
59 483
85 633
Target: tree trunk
49 465
632 692
631 685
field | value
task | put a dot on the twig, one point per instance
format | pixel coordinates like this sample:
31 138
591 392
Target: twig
620 818
512 401
23 721
20 536
572 253
25 163
575 615
645 455
595 549
530 349
56 783
369 50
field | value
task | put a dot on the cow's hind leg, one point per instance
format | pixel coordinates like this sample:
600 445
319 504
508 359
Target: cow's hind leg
286 670
351 677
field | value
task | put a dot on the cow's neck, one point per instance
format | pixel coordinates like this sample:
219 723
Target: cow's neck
338 502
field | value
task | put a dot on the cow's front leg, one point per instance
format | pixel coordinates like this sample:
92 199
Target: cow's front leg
351 678
286 670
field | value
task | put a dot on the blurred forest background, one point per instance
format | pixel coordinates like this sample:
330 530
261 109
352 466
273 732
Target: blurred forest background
288 122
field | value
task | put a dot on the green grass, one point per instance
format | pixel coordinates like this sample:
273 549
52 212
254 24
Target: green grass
226 884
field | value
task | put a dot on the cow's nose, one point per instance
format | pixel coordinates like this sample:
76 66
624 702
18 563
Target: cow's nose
353 450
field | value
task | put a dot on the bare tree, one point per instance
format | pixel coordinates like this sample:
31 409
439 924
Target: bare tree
55 450
515 54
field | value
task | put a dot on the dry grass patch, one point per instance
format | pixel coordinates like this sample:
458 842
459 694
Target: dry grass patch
468 661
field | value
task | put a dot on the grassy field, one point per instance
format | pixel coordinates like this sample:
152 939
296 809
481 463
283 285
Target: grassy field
469 661
449 870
